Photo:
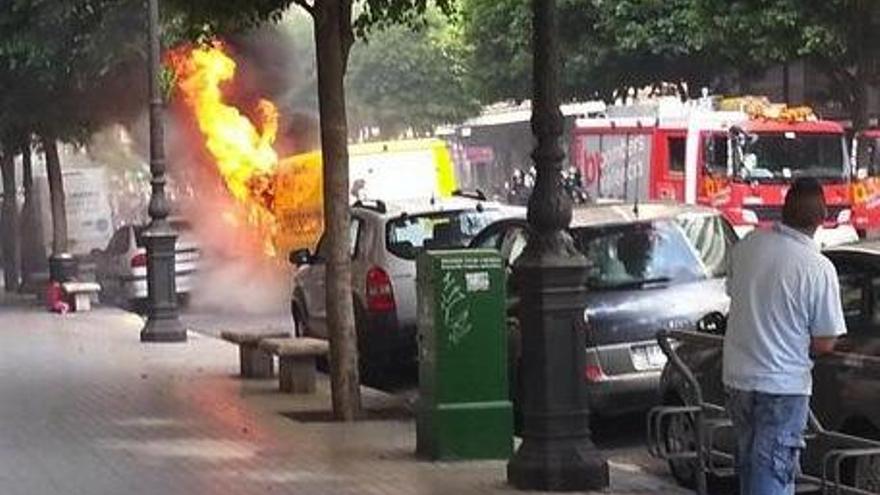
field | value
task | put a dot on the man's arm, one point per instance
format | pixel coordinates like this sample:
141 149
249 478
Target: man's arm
828 321
820 346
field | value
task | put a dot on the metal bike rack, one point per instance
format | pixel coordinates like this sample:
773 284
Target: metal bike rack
836 449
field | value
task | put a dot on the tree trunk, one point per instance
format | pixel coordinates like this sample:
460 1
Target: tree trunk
56 195
332 41
786 84
9 222
33 255
859 108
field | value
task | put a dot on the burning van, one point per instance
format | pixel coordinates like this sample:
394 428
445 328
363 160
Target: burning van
274 196
387 171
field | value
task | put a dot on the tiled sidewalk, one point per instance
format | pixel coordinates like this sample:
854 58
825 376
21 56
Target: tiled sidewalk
85 408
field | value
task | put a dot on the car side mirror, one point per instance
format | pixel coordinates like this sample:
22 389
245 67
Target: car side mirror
300 257
714 323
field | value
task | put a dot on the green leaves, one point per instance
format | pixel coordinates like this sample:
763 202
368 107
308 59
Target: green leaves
408 77
381 14
61 62
498 36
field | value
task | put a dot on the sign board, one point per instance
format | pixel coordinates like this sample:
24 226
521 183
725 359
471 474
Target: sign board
89 216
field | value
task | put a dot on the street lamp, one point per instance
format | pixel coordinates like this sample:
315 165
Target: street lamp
556 452
163 324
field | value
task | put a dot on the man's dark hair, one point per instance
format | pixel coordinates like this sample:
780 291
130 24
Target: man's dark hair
804 205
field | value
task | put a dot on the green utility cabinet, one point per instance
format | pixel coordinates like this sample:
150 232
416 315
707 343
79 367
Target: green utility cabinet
464 410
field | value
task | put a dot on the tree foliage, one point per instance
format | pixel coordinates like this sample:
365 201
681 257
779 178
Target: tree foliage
610 47
409 78
606 47
67 66
498 33
195 19
839 37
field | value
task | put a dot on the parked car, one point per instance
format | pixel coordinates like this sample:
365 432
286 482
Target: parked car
121 267
845 397
658 266
386 238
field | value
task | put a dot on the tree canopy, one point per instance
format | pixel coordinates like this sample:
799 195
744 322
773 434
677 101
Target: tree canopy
409 78
610 47
66 66
837 36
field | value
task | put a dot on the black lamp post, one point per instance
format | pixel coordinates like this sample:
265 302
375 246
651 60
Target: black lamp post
556 453
163 324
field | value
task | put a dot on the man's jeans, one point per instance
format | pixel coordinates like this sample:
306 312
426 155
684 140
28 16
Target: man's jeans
770 437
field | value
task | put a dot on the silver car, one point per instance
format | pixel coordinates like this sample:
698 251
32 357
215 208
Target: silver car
658 266
386 238
121 268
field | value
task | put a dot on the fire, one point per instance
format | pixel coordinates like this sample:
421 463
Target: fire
242 149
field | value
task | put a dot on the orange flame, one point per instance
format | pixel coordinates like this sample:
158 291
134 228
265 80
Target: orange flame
242 150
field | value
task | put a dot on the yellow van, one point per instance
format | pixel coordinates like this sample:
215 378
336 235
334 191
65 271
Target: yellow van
389 170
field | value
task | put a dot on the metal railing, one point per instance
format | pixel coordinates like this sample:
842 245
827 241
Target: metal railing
836 450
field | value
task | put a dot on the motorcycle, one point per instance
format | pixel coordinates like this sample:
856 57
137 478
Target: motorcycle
521 184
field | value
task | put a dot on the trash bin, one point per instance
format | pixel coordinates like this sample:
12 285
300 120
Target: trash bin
464 410
62 267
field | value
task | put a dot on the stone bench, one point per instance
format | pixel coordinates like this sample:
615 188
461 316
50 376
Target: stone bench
80 294
255 362
296 362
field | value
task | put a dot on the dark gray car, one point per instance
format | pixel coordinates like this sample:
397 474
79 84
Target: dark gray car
846 397
660 267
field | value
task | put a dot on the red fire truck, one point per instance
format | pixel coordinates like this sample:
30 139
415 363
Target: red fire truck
866 182
738 155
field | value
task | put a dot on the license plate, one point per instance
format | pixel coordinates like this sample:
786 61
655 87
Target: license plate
647 357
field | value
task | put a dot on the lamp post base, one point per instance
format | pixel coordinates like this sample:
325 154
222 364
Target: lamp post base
556 453
163 323
163 330
559 465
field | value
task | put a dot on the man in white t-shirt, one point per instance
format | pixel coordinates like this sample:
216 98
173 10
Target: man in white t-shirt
785 308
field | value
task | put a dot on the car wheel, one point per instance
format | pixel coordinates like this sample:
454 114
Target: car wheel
109 293
183 300
139 306
371 366
299 317
864 474
867 474
679 435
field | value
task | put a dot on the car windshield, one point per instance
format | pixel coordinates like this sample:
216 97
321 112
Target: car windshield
868 155
639 255
408 235
712 237
790 155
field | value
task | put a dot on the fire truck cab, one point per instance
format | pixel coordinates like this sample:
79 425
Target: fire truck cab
866 182
736 155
